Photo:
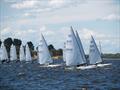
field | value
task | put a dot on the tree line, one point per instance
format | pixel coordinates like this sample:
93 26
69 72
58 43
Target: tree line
17 42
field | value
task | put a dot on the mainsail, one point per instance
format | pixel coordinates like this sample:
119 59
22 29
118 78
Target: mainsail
28 54
13 55
73 53
81 48
94 54
0 53
4 55
43 52
64 49
22 53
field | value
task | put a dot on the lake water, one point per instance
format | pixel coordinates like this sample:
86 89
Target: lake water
32 76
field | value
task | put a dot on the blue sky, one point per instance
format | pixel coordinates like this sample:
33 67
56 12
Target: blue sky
26 19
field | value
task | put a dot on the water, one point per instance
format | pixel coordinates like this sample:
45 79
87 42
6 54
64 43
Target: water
31 76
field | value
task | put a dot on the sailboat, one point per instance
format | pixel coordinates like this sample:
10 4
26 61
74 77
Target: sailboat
28 54
4 55
73 53
81 48
94 53
95 59
43 52
13 55
22 53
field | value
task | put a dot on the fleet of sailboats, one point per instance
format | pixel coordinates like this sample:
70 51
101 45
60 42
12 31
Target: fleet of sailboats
73 52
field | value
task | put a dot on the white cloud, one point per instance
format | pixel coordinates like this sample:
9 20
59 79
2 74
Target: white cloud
25 4
57 2
111 17
27 14
45 5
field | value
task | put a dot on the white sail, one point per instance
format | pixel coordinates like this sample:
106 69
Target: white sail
64 49
81 47
4 55
13 55
28 54
73 54
94 54
0 53
43 52
22 53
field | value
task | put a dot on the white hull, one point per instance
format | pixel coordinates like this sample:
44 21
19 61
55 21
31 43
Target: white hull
52 65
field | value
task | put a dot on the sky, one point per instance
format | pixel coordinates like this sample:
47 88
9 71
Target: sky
26 19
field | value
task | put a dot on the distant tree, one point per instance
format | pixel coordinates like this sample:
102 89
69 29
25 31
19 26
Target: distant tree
31 46
0 42
17 42
60 52
8 42
51 47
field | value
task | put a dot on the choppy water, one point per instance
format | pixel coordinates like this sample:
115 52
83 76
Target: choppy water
30 76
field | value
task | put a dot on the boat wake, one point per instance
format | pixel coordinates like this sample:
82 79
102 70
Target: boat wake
52 65
93 66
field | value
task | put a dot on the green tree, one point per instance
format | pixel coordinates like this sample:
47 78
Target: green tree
31 46
8 42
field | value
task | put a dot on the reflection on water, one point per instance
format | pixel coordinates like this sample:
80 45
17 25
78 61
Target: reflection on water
84 88
32 76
